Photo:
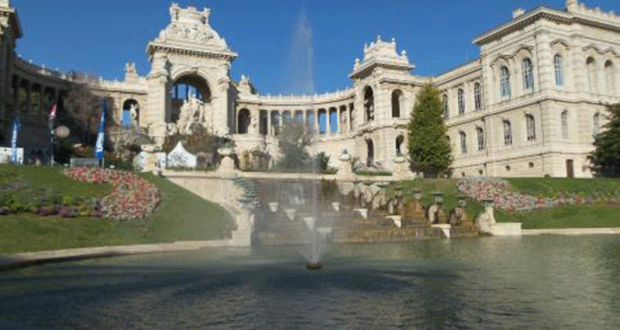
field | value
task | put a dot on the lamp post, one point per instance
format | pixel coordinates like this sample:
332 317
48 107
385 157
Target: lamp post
60 132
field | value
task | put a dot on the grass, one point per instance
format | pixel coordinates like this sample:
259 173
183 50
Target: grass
550 186
182 216
583 216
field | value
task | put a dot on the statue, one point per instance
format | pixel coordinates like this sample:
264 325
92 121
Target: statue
458 216
130 69
434 213
487 218
414 208
192 112
135 120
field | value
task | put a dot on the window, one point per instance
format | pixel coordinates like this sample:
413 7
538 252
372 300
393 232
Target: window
596 124
528 80
592 78
397 98
461 96
481 142
504 78
558 63
531 127
478 97
565 124
463 142
507 133
610 80
446 107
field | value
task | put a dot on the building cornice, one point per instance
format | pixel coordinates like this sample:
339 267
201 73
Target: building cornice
557 16
206 53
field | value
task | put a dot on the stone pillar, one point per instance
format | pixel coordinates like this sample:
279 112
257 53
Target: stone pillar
156 116
316 124
269 129
29 97
339 119
42 109
544 61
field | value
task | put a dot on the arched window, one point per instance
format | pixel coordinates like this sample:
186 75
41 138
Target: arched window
564 120
558 64
481 139
397 101
592 75
243 121
507 133
528 79
531 127
504 78
131 114
370 160
610 80
461 97
596 124
399 145
446 106
478 97
369 104
463 142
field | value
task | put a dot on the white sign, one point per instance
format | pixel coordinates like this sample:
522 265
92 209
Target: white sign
5 155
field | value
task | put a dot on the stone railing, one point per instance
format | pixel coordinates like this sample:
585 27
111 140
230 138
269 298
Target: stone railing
325 97
42 70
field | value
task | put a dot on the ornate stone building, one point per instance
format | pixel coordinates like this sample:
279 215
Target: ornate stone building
528 106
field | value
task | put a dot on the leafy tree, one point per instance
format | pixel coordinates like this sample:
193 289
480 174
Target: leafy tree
294 141
429 147
605 158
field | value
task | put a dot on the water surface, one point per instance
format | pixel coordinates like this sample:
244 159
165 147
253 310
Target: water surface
532 282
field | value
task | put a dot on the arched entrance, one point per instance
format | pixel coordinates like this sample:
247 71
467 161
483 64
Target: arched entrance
131 114
370 159
243 121
192 94
399 145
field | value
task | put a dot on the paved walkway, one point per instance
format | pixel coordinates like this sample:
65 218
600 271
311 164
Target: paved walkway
572 231
22 260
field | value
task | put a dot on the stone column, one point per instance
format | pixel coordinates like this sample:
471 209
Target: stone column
339 119
316 124
29 98
544 59
42 109
269 130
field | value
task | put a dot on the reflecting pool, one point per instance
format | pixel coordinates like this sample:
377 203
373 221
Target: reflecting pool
530 282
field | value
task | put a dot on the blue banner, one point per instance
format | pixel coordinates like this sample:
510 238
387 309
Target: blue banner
101 136
16 128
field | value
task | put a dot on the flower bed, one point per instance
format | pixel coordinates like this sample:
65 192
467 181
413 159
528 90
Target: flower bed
499 191
132 197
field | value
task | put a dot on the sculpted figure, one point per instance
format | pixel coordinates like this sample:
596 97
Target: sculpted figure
486 219
435 214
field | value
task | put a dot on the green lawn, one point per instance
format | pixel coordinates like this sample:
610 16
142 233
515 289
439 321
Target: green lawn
549 186
182 216
584 216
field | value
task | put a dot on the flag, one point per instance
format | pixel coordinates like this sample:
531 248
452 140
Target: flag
16 128
101 136
53 112
52 117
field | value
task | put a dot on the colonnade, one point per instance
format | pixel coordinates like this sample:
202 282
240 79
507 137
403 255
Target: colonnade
329 120
37 96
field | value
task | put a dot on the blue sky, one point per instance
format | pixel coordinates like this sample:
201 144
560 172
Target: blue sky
101 36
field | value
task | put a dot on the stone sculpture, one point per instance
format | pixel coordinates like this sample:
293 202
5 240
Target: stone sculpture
458 216
487 218
434 213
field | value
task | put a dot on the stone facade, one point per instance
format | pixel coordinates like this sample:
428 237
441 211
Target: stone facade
528 106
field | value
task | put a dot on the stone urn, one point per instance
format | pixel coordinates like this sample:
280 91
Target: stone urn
273 207
227 165
290 214
336 206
